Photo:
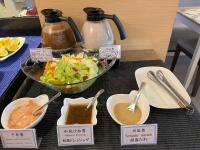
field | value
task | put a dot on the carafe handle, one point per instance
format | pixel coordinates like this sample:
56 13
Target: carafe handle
74 28
119 25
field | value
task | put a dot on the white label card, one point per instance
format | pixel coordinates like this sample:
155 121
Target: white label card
139 134
18 138
69 135
41 54
110 52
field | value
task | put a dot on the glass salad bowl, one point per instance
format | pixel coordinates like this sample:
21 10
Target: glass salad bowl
69 73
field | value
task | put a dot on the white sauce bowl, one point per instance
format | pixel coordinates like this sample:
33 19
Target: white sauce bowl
142 103
40 100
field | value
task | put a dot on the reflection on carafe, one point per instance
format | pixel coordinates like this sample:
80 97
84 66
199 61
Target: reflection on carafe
57 36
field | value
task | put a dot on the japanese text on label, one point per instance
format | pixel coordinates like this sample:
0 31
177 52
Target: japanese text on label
75 135
139 134
41 54
17 138
110 52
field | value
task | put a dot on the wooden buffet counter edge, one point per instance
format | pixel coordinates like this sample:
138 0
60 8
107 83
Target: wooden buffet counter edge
137 55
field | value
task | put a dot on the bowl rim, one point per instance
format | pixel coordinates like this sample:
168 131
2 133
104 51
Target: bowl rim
116 120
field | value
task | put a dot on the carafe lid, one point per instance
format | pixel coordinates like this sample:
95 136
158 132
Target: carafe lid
52 15
94 14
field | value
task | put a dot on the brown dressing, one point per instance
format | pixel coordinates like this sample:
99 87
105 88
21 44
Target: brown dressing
57 36
77 114
125 116
22 116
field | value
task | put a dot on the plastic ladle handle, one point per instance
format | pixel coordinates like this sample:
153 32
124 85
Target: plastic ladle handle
74 28
119 25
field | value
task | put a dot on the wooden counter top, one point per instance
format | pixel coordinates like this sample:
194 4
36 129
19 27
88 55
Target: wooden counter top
137 55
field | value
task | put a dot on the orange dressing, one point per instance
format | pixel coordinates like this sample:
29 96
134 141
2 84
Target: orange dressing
22 116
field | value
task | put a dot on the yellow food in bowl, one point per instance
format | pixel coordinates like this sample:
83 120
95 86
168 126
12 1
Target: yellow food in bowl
3 52
8 45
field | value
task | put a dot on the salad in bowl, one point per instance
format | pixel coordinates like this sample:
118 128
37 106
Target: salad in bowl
70 69
71 73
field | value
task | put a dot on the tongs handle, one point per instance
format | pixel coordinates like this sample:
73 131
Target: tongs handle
151 75
162 77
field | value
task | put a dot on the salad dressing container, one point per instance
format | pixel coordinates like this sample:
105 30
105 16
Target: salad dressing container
56 33
97 31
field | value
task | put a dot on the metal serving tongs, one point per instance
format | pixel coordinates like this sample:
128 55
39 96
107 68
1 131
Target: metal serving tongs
160 79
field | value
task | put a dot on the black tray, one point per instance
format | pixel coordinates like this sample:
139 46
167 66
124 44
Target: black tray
176 130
